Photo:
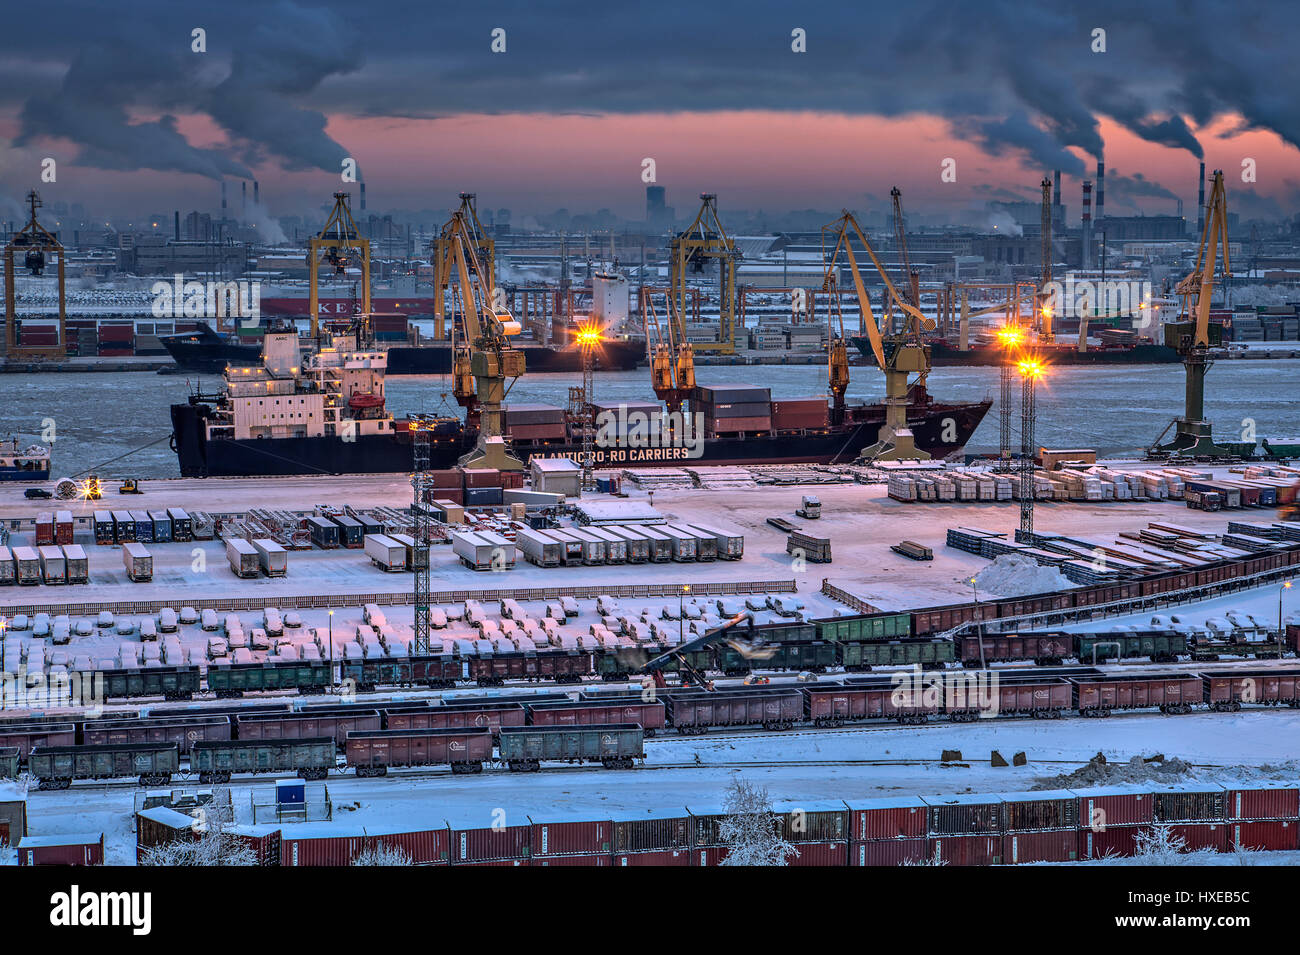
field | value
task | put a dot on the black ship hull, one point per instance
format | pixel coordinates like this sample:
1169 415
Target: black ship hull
206 352
1059 353
941 429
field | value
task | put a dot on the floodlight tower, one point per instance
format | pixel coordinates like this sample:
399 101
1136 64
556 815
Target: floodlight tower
1031 369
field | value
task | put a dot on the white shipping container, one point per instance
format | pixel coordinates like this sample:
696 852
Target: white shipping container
76 564
539 547
271 557
243 558
8 575
385 553
138 562
483 550
53 566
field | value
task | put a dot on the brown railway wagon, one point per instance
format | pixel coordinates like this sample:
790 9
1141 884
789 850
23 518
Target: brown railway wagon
489 716
26 736
651 716
307 725
697 712
184 731
372 752
1043 603
938 619
1171 692
560 666
1227 691
1003 647
1042 697
877 698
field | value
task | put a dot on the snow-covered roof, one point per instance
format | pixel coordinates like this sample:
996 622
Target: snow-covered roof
887 802
1039 795
962 799
657 812
558 465
320 830
1159 787
168 817
12 792
61 839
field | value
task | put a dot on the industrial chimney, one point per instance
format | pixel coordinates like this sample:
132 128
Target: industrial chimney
223 198
243 198
1101 190
1086 233
1200 204
257 201
176 224
363 196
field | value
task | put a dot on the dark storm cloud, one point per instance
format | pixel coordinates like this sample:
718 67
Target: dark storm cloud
1017 78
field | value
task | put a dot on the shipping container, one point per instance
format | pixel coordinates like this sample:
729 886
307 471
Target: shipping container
385 553
576 837
661 545
242 557
653 857
321 844
272 559
1046 845
964 813
351 531
64 527
102 524
324 532
138 562
888 817
162 526
1264 800
1274 835
44 528
1045 809
684 545
424 846
728 545
8 571
1111 806
182 525
1101 843
27 566
889 852
1189 802
53 564
638 546
75 564
123 527
143 526
966 850
473 843
62 849
653 830
539 547
1201 835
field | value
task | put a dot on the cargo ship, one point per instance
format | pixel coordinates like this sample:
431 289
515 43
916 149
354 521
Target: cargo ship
19 463
325 414
947 353
205 351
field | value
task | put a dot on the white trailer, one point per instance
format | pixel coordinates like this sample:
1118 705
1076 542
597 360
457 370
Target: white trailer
684 544
731 545
615 545
76 566
272 559
539 547
638 547
53 566
385 553
138 562
242 557
483 550
8 575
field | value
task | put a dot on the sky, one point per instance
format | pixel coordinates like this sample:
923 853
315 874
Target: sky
537 106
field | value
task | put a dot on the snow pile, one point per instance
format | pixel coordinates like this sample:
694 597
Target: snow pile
1099 772
1011 575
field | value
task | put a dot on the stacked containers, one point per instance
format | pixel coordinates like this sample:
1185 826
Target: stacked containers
116 340
1194 811
887 831
321 844
103 525
657 837
965 829
1040 826
576 841
472 844
732 409
1264 817
818 830
705 828
424 846
44 528
799 414
534 423
63 527
445 485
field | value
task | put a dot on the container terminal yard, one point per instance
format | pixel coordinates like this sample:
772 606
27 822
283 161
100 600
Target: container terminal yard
536 456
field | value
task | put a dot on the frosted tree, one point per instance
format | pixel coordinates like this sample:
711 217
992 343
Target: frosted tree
749 830
937 859
1160 845
211 842
382 854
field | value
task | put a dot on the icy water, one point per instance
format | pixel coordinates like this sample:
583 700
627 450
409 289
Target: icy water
1117 410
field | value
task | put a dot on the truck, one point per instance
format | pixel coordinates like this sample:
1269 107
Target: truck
76 565
706 542
684 544
7 573
242 557
615 545
272 559
539 547
810 508
483 550
385 553
138 562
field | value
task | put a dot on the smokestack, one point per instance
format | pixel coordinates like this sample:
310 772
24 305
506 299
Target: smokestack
1200 203
1101 190
223 198
243 198
363 196
257 201
177 224
1086 232
1180 208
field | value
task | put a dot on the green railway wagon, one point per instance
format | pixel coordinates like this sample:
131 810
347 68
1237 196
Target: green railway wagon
8 762
171 683
622 663
236 679
216 760
381 671
813 655
613 745
879 626
701 659
57 766
1160 647
858 656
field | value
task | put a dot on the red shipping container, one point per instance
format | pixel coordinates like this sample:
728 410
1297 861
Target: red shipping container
571 838
881 852
712 855
598 859
1111 841
1049 845
263 840
1108 806
735 425
966 850
1280 835
115 352
1202 835
70 849
820 854
488 844
514 480
654 857
498 862
481 477
900 817
453 494
425 846
117 333
44 528
1266 802
321 845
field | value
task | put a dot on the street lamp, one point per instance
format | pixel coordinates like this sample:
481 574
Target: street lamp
979 629
332 680
1281 630
4 624
681 614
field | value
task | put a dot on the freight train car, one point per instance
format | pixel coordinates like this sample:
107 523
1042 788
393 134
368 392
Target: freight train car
236 679
169 682
605 709
697 712
308 724
216 761
8 762
25 737
57 766
490 715
464 750
614 746
184 731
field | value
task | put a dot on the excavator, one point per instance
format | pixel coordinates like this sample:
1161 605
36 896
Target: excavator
484 363
899 355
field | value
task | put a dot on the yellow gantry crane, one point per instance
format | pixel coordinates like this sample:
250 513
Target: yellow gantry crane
484 251
1193 336
34 240
705 239
898 355
341 245
672 359
484 364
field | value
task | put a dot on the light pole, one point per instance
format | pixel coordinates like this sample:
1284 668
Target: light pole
1031 369
681 614
979 628
332 680
4 625
1281 630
